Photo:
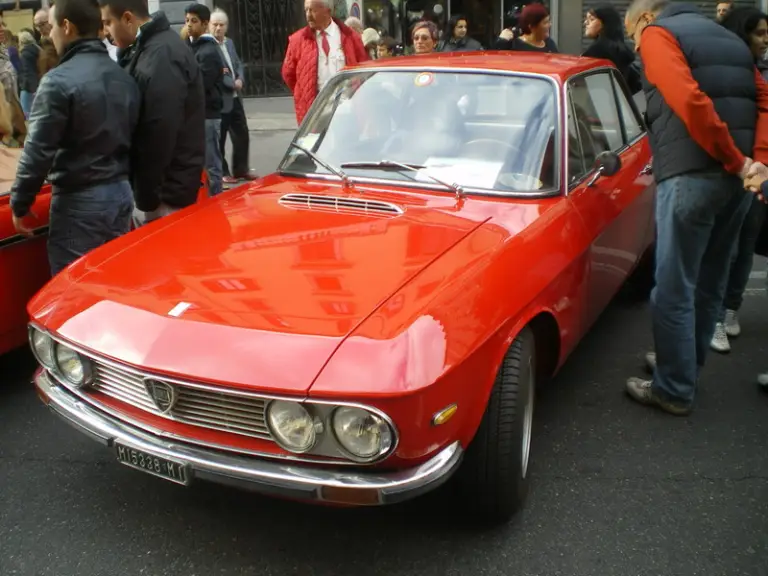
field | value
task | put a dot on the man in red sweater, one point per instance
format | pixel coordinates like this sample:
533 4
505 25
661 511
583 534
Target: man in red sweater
317 52
707 118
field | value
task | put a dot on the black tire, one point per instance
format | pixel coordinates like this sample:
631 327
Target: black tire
494 478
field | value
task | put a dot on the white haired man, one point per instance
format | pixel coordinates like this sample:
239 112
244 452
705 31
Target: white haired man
707 118
233 120
317 52
41 24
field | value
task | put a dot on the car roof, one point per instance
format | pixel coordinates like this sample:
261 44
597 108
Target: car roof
559 66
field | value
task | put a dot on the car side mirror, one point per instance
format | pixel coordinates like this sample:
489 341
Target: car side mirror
606 164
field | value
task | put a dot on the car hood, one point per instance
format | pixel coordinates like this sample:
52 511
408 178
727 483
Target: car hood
246 276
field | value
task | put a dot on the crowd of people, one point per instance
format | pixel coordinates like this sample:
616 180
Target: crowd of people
125 120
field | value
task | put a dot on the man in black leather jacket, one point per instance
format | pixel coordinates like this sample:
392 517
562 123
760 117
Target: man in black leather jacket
211 61
169 144
80 129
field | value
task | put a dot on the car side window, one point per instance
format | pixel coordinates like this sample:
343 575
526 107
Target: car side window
595 106
633 127
576 165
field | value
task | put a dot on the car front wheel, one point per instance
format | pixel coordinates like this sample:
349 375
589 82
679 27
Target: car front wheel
494 478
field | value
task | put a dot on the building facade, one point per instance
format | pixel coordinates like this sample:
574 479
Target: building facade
260 28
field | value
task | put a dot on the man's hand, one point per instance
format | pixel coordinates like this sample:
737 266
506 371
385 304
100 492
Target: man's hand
744 173
756 175
22 228
238 84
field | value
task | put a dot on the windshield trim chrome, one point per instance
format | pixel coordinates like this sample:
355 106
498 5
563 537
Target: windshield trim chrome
556 190
544 193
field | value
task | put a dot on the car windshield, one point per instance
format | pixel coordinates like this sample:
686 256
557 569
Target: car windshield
476 130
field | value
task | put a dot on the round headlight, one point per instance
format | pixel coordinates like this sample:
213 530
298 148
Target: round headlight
71 365
291 425
361 433
42 346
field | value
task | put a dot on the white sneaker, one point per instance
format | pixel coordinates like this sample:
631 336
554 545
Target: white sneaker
762 380
720 341
732 326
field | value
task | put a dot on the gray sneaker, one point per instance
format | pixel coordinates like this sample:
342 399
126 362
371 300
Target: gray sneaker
762 381
641 391
720 341
732 326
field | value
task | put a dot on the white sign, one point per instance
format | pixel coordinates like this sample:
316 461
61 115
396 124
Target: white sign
470 173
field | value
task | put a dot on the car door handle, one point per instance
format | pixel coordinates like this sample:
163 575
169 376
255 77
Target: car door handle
647 169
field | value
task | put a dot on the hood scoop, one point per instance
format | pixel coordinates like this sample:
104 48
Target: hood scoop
341 205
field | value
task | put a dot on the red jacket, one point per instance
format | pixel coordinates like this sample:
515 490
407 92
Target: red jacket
300 64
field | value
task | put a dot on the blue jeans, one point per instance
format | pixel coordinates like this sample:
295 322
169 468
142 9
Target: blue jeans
741 266
697 221
26 100
213 156
86 219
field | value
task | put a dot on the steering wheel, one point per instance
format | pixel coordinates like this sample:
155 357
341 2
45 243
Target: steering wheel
487 148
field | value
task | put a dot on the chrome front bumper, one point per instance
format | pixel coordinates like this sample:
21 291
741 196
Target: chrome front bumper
284 479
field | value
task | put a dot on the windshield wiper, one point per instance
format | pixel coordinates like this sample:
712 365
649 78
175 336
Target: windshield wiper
385 164
336 171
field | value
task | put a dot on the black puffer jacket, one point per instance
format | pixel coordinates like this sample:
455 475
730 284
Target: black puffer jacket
212 65
465 44
610 45
29 77
80 127
169 146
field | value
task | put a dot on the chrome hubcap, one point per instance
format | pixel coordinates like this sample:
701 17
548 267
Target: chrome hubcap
528 421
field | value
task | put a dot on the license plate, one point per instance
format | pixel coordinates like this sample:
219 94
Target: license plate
162 467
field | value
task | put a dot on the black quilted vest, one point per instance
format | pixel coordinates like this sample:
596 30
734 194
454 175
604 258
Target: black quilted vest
724 68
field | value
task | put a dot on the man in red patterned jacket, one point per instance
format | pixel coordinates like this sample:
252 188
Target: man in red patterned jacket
317 52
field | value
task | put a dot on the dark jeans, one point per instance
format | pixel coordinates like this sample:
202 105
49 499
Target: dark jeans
84 220
698 221
213 156
741 266
235 124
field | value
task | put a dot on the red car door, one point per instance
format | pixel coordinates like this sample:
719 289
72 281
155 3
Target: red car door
618 209
23 268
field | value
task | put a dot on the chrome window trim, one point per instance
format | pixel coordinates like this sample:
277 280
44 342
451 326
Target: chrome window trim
556 190
627 145
304 399
16 239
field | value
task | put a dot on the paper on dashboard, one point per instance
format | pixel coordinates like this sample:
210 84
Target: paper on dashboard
470 173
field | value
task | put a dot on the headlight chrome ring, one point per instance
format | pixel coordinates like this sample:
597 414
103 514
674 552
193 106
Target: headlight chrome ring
73 366
362 434
42 346
292 426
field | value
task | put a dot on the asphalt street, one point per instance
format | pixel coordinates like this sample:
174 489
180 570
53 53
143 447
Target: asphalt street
618 489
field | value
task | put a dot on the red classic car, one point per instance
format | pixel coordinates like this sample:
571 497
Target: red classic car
23 267
372 320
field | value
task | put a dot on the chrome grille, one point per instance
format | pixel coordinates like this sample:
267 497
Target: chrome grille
339 204
218 410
